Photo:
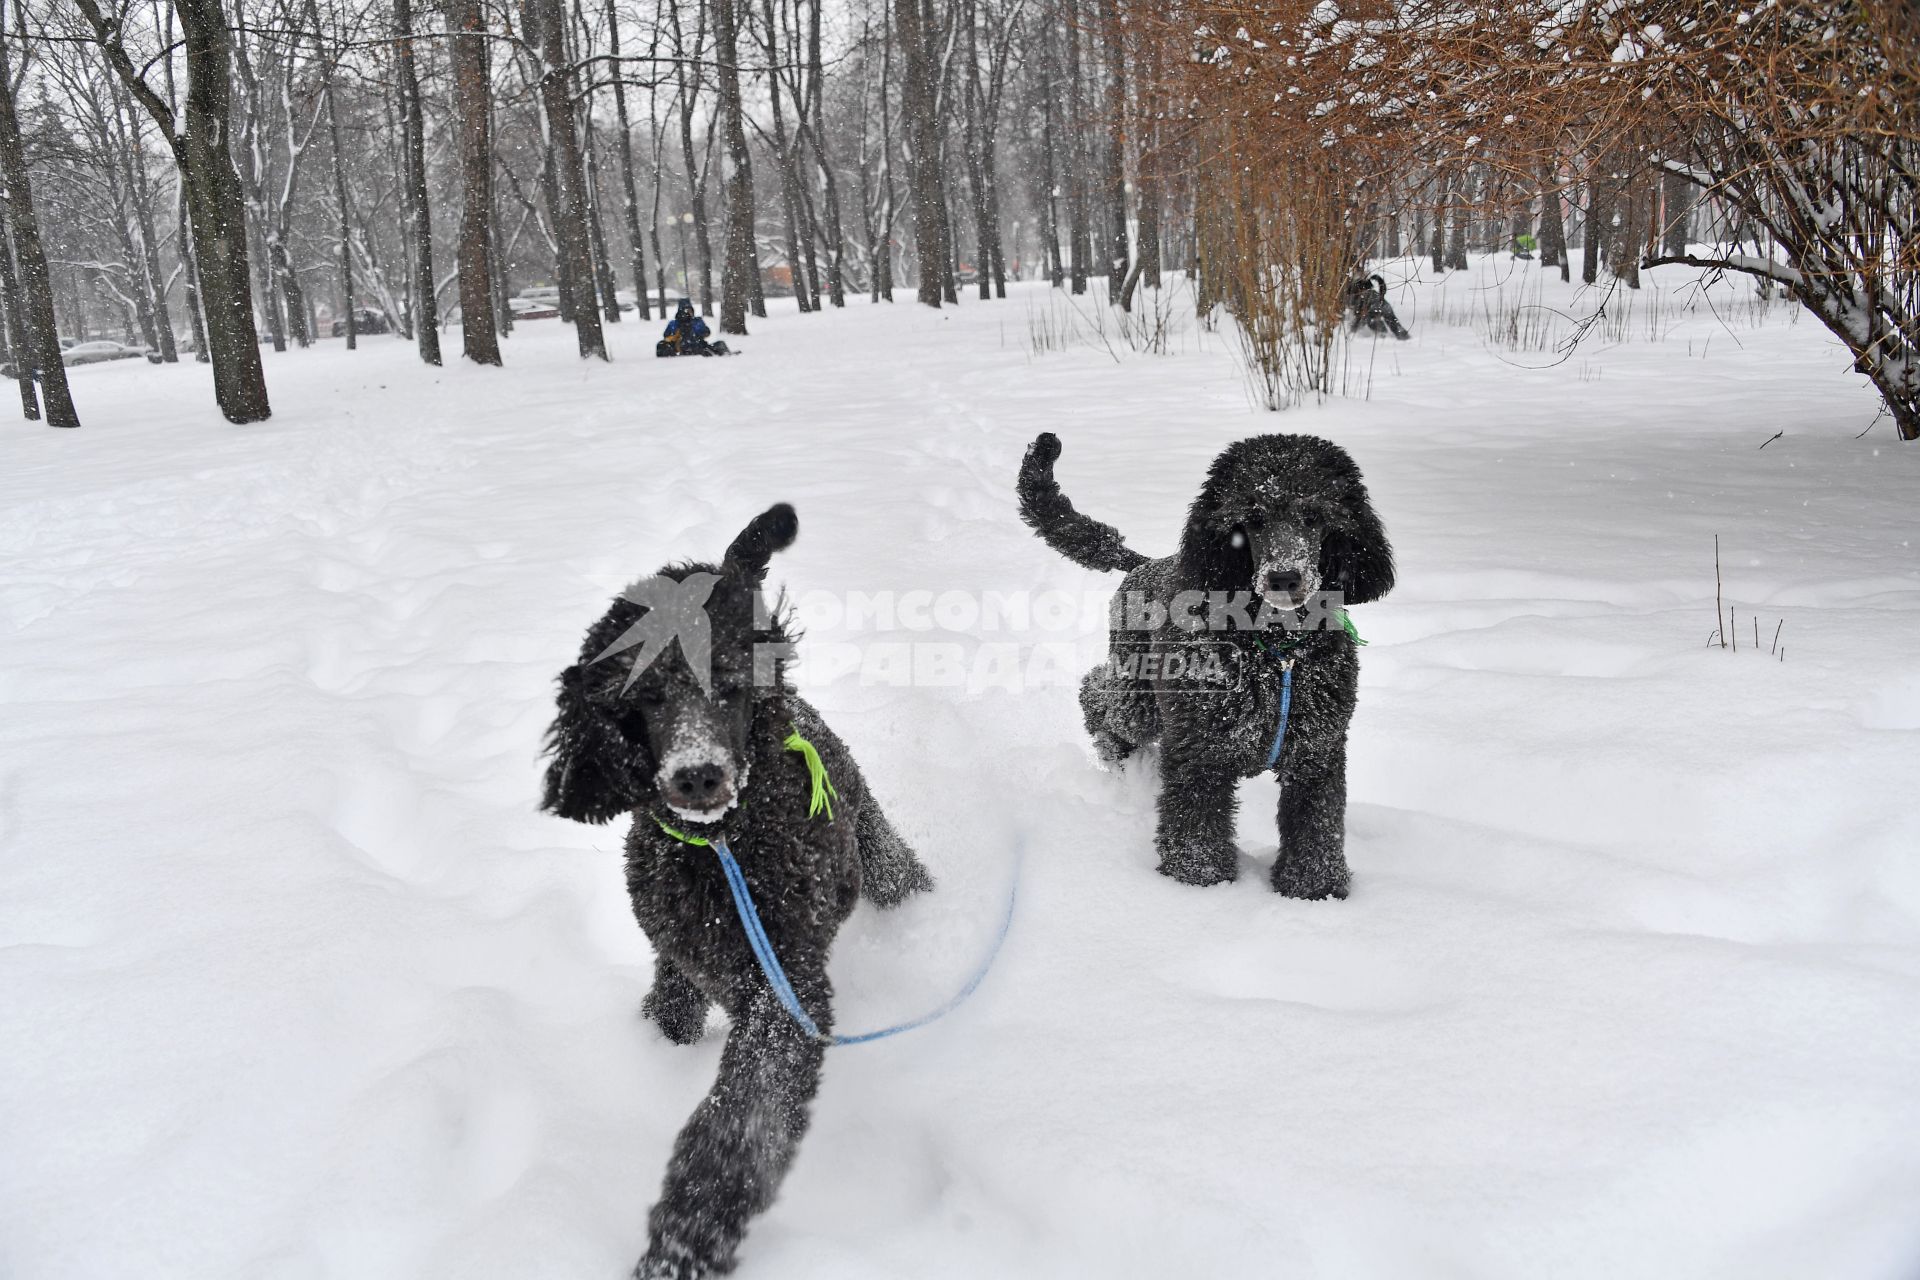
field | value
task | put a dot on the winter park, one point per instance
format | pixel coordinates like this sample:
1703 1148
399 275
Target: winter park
1268 639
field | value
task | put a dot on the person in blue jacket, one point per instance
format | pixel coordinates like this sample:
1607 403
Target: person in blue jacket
687 335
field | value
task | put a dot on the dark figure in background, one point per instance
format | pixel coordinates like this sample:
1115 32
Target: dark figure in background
1367 300
687 334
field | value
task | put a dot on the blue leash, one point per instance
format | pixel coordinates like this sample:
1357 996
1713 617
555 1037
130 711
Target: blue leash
1286 705
1286 687
783 989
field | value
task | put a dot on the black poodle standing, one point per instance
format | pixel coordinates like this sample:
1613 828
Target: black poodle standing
701 756
1280 519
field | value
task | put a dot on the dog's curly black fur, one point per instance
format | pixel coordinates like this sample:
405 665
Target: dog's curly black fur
1279 518
608 744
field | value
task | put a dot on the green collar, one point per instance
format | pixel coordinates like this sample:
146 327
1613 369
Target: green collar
1293 639
822 794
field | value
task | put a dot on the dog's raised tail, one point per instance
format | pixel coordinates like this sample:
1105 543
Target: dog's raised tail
1081 539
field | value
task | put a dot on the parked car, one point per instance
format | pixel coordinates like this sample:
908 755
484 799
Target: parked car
365 320
533 309
104 349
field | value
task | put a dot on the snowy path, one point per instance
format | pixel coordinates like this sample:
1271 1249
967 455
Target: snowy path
295 983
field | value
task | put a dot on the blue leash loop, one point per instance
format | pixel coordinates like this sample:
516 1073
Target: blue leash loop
823 796
783 989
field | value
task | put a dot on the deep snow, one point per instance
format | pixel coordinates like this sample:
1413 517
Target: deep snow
295 982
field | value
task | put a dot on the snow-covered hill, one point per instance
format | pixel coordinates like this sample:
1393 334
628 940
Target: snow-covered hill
295 982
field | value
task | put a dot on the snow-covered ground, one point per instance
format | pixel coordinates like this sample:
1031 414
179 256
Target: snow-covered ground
295 982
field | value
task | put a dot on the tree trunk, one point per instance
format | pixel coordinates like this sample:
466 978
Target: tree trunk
1049 201
215 202
142 192
974 147
20 343
1597 225
1678 214
602 262
1080 231
1119 256
1148 181
923 140
689 86
836 238
740 269
1457 238
191 294
1630 201
341 208
544 23
787 158
631 202
472 113
426 312
1553 228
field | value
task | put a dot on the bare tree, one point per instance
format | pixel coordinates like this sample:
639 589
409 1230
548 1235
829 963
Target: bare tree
35 332
1114 175
544 25
740 270
919 111
215 200
413 125
473 116
630 202
687 63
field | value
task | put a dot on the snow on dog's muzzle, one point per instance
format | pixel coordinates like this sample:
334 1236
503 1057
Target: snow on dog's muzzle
698 780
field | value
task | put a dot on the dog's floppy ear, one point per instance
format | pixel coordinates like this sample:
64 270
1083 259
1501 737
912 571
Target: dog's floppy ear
588 776
770 531
1209 557
1355 557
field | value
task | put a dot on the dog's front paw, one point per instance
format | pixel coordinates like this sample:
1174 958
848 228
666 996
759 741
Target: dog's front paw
1200 863
1111 748
1312 881
680 1015
672 1261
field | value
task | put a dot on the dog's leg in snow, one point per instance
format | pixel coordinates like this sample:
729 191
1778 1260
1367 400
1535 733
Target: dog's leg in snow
1197 806
1120 715
676 1006
729 1160
1313 826
889 869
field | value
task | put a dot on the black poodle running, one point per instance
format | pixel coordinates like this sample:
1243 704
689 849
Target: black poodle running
678 712
1205 643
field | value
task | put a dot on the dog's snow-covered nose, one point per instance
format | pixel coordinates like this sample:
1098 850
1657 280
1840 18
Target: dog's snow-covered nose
1284 586
705 787
1285 582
